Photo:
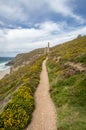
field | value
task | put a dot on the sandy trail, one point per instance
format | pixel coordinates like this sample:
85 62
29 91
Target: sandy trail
44 116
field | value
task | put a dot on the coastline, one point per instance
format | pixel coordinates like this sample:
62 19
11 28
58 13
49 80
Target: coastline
4 72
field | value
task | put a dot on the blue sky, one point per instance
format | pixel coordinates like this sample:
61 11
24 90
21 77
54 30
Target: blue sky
29 24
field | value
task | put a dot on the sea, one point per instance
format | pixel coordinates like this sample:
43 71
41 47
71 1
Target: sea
3 62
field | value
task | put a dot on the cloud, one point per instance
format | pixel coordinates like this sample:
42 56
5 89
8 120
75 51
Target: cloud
50 26
65 8
21 40
60 6
12 11
21 13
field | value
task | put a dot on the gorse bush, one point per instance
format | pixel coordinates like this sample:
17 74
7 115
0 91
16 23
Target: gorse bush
17 113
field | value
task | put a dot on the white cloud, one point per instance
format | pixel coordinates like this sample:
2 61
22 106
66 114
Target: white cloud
50 26
65 8
20 10
12 11
60 6
25 11
21 40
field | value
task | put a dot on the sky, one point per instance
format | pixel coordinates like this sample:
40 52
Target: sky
29 24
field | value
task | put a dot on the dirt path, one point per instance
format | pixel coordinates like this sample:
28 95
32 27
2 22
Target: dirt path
44 116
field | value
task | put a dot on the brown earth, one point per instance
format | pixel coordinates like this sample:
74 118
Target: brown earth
76 66
44 116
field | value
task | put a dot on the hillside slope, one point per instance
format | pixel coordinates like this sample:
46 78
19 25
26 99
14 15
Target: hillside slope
67 73
17 95
26 58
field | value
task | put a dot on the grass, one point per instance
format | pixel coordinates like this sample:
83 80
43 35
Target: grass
68 92
71 118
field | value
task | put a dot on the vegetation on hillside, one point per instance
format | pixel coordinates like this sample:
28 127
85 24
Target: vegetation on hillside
25 58
68 83
17 113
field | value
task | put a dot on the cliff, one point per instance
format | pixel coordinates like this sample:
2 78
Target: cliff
25 58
